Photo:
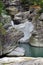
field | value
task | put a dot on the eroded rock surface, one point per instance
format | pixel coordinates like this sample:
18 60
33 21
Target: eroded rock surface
37 37
6 21
19 51
12 10
22 16
21 61
10 40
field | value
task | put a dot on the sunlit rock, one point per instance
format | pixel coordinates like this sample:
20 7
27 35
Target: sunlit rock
37 36
19 51
22 15
10 40
12 10
21 61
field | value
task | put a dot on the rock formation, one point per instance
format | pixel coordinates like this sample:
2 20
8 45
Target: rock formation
21 61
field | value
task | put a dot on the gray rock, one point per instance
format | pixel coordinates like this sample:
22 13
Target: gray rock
14 2
19 51
37 37
0 48
22 16
6 26
12 10
6 19
41 17
11 1
10 40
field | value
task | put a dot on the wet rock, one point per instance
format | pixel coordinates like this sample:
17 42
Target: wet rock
19 51
10 40
12 10
18 16
16 22
21 16
27 28
37 37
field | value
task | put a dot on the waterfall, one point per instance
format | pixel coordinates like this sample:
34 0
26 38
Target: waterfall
12 23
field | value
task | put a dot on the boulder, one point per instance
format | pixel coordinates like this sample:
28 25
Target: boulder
37 36
19 51
12 10
10 40
22 16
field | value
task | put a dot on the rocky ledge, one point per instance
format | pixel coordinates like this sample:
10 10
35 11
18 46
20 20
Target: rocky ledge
21 61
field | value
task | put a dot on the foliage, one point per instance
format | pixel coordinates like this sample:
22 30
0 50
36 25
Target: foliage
1 7
34 2
2 30
24 1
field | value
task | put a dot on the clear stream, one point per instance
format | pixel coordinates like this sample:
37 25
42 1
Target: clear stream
31 51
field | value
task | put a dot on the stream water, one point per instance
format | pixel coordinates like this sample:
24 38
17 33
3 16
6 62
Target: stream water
31 51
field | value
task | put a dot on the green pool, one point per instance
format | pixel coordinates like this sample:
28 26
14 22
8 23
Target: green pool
31 51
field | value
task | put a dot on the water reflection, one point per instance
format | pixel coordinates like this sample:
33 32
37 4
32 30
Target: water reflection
31 51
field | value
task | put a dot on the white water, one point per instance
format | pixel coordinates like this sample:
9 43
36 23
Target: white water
26 28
